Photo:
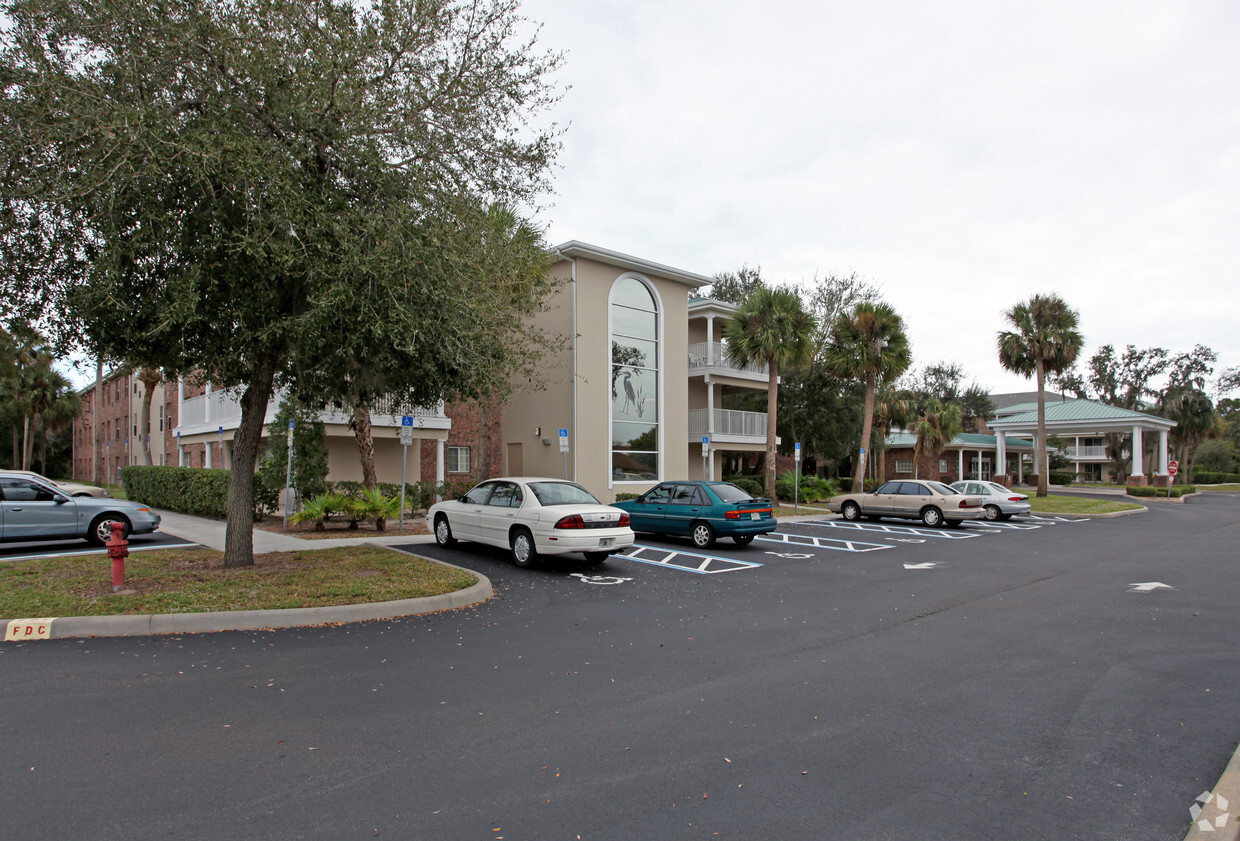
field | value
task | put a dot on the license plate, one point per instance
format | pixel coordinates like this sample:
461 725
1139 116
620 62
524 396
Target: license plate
606 542
754 515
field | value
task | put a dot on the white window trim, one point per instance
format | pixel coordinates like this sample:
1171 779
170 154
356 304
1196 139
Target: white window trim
904 465
468 458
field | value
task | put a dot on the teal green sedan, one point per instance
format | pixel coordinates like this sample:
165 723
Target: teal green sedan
702 511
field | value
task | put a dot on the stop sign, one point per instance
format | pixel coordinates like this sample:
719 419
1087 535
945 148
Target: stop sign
1173 467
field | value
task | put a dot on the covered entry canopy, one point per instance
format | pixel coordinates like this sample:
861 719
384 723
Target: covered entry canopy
1087 417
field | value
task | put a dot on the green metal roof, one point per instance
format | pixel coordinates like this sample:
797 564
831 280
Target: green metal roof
1076 410
965 440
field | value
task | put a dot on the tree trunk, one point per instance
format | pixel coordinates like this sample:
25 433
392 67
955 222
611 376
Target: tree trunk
147 396
239 537
1039 453
364 436
25 442
867 424
772 399
483 449
97 411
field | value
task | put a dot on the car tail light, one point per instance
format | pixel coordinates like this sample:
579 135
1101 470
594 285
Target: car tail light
624 520
964 503
1017 498
738 515
573 521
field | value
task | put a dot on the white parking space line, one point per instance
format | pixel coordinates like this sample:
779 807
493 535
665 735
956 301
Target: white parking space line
991 524
824 542
686 561
1054 519
882 528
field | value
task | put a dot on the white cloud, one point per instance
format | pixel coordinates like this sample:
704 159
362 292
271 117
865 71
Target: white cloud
962 156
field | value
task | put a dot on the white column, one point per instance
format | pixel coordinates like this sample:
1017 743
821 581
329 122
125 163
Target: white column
710 340
439 453
710 409
960 464
1138 453
1020 469
1162 453
206 448
180 455
1000 454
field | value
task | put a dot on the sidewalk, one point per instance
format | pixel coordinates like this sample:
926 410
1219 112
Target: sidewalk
210 533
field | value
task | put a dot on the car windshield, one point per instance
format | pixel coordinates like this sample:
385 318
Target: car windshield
562 493
730 493
939 487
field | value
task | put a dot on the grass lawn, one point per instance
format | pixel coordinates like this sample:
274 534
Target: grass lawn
1054 504
1232 487
195 581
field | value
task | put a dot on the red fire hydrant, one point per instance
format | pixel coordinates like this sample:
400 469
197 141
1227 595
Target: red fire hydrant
118 551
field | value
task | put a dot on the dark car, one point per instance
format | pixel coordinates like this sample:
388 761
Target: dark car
702 511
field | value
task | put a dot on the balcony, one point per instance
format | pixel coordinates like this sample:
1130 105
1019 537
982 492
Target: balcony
712 358
208 412
730 426
1088 453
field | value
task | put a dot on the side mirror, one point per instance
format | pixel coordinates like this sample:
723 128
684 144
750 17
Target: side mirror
61 500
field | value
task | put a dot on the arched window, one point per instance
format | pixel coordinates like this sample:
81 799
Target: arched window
634 382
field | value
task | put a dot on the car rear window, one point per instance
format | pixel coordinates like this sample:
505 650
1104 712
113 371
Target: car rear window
939 487
562 493
730 493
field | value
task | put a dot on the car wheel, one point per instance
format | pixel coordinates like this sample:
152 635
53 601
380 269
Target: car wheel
596 558
524 552
931 516
101 529
742 539
851 511
992 512
703 535
443 531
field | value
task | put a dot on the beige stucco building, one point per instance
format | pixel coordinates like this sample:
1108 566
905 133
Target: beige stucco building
641 381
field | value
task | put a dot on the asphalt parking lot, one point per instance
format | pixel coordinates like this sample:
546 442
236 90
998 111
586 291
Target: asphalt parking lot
1069 680
57 548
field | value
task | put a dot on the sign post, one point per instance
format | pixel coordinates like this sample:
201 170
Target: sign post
221 448
406 438
564 449
706 457
1172 468
796 484
288 478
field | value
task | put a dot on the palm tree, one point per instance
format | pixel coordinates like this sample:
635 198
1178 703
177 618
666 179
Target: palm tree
937 425
771 326
869 344
892 407
1045 341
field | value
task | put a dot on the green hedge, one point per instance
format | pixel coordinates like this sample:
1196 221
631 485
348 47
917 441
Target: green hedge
1177 491
1208 477
190 490
755 486
1058 477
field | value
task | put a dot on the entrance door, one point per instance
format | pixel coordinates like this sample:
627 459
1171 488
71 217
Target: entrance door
981 472
516 466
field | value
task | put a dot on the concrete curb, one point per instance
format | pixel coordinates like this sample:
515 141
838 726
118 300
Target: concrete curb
76 627
1227 789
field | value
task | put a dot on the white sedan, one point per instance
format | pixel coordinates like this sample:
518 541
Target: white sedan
533 517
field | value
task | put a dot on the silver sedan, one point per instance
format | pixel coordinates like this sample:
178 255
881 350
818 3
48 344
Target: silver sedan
34 510
998 502
934 503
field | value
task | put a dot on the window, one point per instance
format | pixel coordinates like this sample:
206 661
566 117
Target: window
458 459
942 465
505 495
634 314
161 418
904 465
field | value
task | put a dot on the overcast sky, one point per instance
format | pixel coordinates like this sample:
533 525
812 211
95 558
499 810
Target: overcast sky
961 156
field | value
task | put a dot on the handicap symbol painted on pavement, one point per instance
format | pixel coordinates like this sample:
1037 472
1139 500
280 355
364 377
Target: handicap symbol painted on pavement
789 555
908 540
600 579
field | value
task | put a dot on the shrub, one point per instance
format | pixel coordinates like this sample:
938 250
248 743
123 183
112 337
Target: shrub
189 490
755 486
1177 491
812 489
623 496
1057 477
1211 477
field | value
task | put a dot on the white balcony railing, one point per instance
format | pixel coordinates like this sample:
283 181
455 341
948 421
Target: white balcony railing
714 355
729 425
208 412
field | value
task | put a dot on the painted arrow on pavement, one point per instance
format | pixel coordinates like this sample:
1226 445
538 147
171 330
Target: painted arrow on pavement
926 565
1148 586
